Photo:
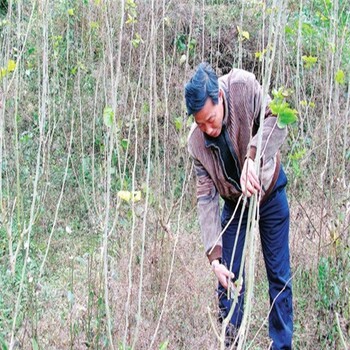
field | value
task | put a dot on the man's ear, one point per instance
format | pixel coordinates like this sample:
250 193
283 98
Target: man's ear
221 94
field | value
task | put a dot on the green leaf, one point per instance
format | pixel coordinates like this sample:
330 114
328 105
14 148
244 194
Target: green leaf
289 30
130 19
260 54
340 77
11 65
305 103
124 143
309 61
243 34
3 344
181 43
73 71
108 116
190 120
35 344
178 123
94 25
122 346
164 346
286 117
298 155
278 107
145 108
281 93
307 29
136 41
136 196
3 72
124 195
70 12
25 136
192 44
130 4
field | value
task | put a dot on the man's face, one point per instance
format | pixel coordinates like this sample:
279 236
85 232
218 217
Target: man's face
209 118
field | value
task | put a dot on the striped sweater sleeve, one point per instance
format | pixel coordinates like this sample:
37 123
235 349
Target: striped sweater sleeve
208 212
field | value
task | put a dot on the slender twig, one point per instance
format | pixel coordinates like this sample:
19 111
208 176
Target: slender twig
143 234
132 237
172 263
111 136
59 199
43 112
340 332
228 223
253 213
267 316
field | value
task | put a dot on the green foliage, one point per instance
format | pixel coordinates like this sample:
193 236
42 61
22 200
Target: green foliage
178 123
305 103
3 7
124 143
191 46
183 43
3 344
278 106
10 67
340 77
242 34
136 41
164 345
108 117
260 54
332 277
122 346
309 61
35 344
295 159
332 285
180 43
131 9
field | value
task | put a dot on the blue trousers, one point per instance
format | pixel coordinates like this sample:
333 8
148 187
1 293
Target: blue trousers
274 235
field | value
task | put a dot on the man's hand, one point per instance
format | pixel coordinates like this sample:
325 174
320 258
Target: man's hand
249 179
222 273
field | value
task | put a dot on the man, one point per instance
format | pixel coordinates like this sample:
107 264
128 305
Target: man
223 144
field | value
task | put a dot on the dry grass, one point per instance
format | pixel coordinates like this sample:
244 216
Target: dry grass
185 322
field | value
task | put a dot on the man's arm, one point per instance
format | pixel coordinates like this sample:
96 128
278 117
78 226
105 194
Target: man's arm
209 221
208 212
272 139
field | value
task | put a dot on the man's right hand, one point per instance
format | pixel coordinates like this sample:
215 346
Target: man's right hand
222 273
249 179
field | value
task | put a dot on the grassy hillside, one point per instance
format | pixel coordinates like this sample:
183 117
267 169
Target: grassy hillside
99 241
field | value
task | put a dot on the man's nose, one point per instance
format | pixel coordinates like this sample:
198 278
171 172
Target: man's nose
209 130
